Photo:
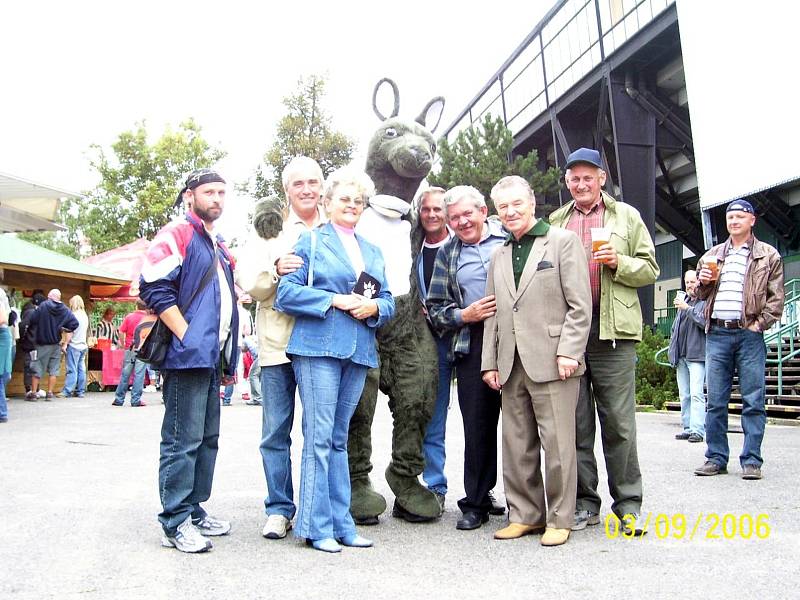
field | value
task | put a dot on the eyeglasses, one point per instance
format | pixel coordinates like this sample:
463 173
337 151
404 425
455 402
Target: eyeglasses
355 201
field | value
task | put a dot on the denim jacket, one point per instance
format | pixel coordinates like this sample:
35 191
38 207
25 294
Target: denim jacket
320 329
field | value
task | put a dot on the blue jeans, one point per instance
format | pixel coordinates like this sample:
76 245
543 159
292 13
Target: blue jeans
75 379
3 401
277 415
433 445
691 377
189 443
329 391
228 394
746 352
129 364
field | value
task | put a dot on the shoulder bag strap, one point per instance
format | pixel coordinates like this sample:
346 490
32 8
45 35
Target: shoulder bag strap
203 283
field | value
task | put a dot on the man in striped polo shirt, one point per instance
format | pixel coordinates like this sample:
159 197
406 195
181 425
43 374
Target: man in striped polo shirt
741 304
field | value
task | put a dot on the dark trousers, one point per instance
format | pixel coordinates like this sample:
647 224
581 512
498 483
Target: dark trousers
480 410
608 386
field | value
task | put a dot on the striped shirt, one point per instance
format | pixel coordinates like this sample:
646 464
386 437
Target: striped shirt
581 223
729 299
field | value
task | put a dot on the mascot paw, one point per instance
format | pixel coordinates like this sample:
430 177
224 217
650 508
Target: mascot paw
413 501
268 217
365 503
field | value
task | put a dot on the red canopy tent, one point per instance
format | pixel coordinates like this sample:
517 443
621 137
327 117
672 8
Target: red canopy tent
125 261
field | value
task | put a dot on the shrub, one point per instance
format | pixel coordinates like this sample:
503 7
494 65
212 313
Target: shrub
655 384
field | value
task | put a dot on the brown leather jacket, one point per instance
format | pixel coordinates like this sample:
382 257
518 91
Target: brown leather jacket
763 285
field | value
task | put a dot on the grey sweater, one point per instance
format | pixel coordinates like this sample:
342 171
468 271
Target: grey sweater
688 337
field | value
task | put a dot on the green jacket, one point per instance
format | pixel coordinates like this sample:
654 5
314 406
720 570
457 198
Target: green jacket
620 312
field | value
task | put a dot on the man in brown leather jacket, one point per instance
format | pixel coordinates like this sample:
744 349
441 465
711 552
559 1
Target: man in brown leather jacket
744 297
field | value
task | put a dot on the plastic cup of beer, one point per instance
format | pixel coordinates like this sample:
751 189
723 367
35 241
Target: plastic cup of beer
712 264
600 236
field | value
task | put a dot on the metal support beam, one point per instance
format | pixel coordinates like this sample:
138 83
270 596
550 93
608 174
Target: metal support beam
634 131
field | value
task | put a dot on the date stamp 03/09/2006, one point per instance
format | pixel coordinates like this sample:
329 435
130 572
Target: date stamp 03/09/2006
705 526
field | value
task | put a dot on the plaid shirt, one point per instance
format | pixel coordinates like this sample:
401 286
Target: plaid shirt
581 224
445 301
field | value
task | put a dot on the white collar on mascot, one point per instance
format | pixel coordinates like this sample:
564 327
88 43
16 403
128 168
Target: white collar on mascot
390 206
393 236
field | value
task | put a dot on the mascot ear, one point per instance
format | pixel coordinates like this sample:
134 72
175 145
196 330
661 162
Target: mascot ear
396 93
432 113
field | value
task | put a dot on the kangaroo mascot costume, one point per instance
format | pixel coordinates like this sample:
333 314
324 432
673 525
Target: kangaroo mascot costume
400 155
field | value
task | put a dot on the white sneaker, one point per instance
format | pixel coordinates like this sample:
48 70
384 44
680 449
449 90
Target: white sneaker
276 527
187 539
209 525
41 394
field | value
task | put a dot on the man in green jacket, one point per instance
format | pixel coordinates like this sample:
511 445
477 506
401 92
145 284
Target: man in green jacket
625 262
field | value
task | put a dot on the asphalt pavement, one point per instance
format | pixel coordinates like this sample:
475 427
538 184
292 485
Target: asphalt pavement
79 499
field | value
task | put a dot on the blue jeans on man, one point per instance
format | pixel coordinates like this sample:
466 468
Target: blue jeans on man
75 379
434 444
189 443
278 387
330 389
130 363
691 376
745 352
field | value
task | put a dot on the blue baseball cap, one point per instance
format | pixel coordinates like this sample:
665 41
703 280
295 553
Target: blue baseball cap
742 205
584 155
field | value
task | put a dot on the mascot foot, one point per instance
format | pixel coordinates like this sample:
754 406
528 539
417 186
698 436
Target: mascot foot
412 498
365 503
401 513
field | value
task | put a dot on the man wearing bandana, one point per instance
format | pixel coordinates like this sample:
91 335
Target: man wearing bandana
189 263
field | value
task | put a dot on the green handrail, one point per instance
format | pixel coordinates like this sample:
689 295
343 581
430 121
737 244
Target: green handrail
788 329
661 362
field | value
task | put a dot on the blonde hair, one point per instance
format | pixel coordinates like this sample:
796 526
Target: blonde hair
76 304
349 176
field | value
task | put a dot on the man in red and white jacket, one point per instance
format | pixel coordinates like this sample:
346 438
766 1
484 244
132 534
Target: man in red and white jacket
203 353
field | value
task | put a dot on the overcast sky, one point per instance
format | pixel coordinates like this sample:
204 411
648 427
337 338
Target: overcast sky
81 72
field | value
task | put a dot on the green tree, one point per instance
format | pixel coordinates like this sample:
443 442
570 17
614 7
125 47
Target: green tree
306 130
139 183
479 157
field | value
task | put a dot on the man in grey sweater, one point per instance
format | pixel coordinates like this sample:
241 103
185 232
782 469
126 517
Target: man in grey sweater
687 353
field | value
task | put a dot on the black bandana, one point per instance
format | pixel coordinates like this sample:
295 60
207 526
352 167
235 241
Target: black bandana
197 178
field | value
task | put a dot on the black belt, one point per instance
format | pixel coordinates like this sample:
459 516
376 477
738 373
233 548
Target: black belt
728 323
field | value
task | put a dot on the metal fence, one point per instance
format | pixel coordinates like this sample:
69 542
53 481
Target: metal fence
572 39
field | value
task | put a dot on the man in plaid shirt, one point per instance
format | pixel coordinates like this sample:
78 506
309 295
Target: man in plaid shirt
456 304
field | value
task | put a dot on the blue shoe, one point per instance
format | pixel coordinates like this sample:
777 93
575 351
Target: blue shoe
355 541
115 403
325 545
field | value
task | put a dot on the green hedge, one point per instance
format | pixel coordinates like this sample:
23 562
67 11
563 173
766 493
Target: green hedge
655 384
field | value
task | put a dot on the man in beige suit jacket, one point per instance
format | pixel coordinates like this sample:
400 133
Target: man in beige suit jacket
533 350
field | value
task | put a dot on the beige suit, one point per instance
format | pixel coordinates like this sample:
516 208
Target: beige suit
547 316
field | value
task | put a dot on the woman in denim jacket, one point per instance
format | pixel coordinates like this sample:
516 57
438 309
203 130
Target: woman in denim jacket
332 346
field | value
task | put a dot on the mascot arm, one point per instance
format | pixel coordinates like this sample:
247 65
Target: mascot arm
255 270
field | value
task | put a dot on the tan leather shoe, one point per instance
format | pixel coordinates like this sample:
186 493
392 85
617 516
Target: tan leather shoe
555 537
517 530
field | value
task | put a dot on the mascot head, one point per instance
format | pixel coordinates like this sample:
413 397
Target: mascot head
401 152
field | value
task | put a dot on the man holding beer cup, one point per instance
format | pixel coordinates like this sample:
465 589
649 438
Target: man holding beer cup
741 281
621 258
